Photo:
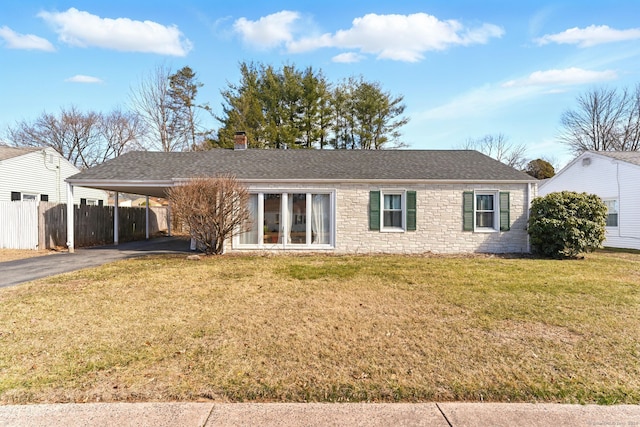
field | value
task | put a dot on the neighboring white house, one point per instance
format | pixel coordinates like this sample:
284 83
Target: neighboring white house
38 174
615 178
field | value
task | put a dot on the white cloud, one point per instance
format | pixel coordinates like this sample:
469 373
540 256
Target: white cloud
590 36
490 98
395 37
268 31
399 37
79 28
79 78
567 76
15 40
348 57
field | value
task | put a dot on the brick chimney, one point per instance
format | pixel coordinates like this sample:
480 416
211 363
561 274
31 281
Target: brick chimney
240 141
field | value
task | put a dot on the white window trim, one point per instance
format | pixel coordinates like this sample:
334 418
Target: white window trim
496 211
285 221
613 199
403 213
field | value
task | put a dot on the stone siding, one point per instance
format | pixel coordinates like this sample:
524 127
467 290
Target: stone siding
438 225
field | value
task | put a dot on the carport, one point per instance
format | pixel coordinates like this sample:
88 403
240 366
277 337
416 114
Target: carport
141 187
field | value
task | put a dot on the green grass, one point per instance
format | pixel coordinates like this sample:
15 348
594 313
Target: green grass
328 328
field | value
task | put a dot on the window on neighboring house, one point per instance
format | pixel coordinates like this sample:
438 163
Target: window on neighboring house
288 219
88 202
16 196
44 197
486 211
612 212
392 210
29 197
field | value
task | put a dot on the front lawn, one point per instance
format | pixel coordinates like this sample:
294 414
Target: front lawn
327 328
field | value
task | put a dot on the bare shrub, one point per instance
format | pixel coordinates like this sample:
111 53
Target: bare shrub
214 209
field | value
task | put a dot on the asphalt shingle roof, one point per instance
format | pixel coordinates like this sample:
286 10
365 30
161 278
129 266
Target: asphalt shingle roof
7 152
305 165
632 157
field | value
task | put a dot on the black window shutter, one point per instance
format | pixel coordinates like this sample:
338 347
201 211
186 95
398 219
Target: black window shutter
467 211
16 196
83 202
505 217
374 210
411 211
44 197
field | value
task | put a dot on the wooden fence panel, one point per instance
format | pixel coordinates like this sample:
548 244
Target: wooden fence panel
93 225
52 225
18 225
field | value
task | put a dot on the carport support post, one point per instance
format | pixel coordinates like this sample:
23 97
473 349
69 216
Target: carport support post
116 221
147 218
169 219
70 235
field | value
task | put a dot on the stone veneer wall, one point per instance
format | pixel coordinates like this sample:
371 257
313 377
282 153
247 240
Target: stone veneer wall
438 225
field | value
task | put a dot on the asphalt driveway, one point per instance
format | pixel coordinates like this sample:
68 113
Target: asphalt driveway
26 270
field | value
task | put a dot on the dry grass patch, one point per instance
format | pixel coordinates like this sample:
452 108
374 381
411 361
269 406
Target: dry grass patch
324 328
14 254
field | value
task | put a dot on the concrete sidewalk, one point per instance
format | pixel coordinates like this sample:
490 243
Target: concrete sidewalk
318 414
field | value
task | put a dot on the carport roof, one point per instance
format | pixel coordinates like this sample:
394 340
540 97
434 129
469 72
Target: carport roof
145 172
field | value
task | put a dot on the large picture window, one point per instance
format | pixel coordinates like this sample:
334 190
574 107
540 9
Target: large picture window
289 219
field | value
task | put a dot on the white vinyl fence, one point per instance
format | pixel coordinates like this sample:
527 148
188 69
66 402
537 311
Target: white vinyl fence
18 225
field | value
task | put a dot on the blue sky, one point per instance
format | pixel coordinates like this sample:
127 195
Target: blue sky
465 68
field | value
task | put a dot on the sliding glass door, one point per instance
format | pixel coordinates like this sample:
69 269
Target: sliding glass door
289 220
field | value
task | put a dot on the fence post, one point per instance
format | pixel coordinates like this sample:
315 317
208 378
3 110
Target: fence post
70 235
116 221
147 218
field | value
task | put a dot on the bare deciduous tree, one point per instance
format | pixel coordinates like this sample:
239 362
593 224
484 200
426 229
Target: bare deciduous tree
72 133
152 102
605 120
85 139
498 147
214 210
167 104
120 132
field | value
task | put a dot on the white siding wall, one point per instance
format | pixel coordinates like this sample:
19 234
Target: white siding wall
609 179
627 235
439 220
18 225
37 173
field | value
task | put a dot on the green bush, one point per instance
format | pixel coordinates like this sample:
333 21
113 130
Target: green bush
567 224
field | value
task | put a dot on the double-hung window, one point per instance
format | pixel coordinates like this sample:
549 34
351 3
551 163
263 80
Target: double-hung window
486 211
392 218
612 212
392 210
